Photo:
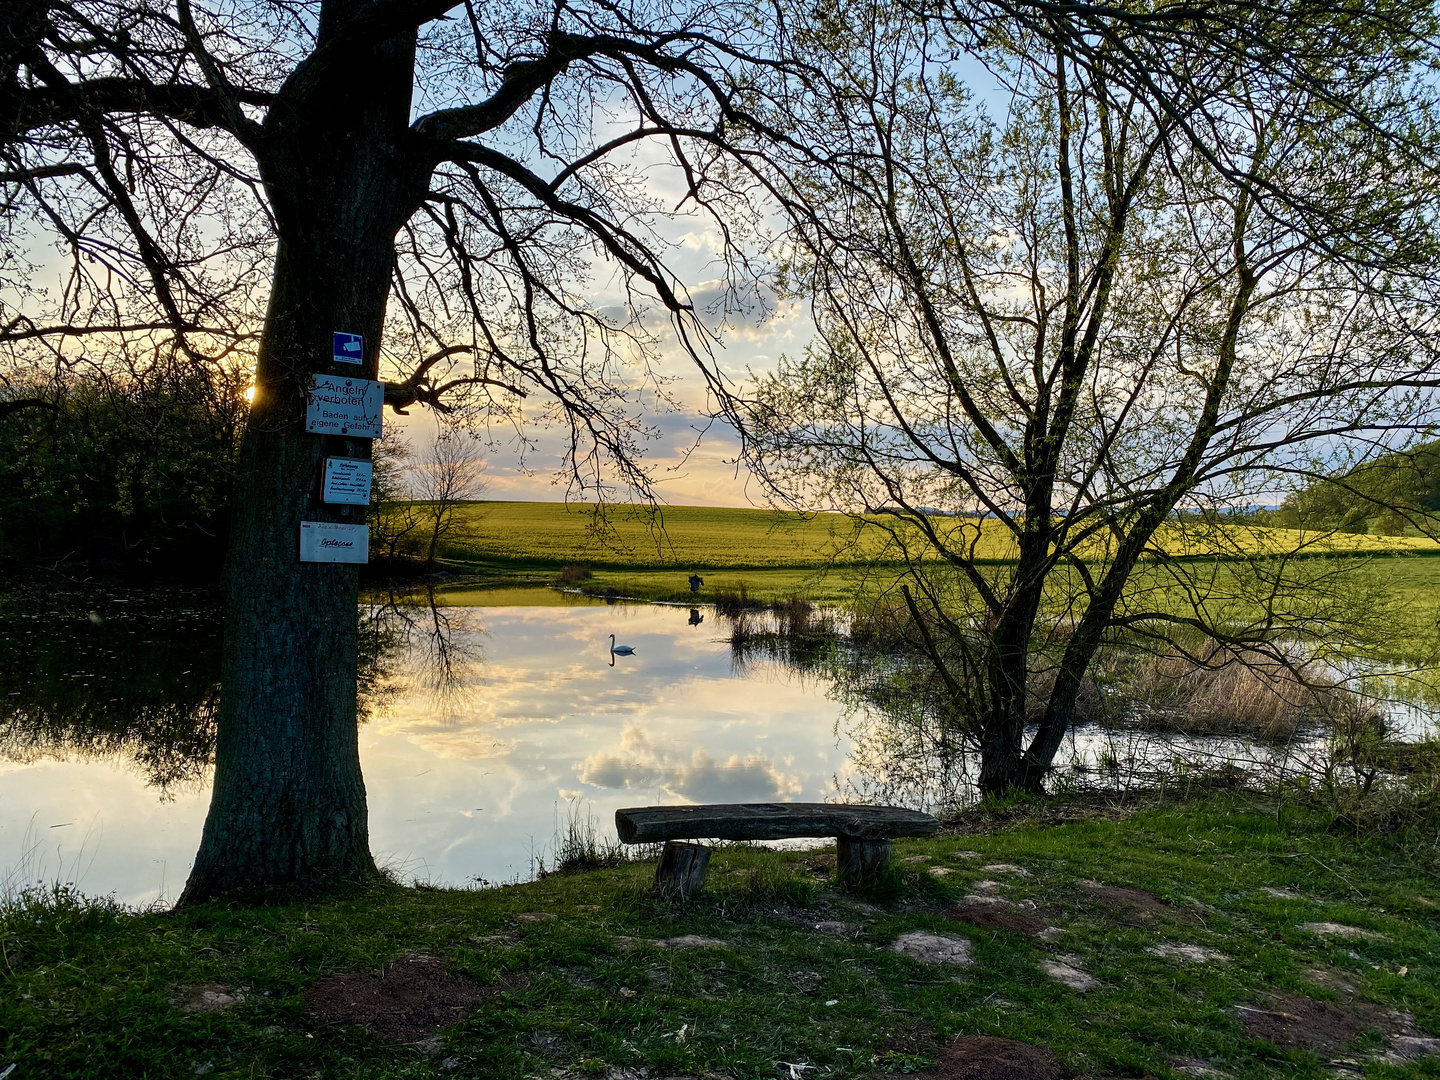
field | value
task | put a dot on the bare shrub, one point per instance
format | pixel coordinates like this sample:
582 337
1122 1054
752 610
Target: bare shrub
569 575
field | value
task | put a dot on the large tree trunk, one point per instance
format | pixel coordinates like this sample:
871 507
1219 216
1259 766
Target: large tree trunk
288 813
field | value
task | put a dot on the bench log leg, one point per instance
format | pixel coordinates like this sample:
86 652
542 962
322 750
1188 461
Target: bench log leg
682 868
861 860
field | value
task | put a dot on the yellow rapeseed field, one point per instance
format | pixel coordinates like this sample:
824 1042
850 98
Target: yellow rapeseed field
714 538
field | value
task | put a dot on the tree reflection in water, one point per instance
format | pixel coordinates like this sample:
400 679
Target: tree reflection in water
115 675
906 750
135 676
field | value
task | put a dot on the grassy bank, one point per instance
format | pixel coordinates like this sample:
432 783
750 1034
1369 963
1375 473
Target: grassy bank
1191 921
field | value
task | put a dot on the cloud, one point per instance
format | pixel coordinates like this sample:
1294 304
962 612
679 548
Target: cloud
640 766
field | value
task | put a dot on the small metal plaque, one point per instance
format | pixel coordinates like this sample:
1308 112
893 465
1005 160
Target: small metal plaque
348 348
347 481
331 542
335 405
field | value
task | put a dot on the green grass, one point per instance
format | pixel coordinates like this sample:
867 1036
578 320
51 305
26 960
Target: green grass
90 991
689 537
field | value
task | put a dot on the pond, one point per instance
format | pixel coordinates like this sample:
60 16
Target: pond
476 749
492 720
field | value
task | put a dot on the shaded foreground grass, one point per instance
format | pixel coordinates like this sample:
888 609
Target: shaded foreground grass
580 974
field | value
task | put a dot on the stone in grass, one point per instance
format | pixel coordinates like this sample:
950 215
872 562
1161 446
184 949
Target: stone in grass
207 997
1281 894
1405 1048
684 941
1066 971
928 948
1340 930
1201 1070
1187 954
1006 868
534 916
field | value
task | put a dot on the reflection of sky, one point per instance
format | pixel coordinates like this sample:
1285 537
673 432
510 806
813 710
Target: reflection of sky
475 782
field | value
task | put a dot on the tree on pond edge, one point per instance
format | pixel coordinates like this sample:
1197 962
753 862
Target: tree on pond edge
437 184
240 180
1061 341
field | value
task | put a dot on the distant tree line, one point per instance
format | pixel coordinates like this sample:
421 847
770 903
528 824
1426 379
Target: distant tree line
138 474
1393 495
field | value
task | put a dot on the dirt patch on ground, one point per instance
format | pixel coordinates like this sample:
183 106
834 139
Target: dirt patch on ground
414 997
1136 906
1304 1023
985 1057
994 917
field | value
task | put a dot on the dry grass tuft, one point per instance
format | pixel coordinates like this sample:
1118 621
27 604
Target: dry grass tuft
569 575
1219 689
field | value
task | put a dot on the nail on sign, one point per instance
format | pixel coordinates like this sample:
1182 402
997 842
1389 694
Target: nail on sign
336 405
349 348
329 541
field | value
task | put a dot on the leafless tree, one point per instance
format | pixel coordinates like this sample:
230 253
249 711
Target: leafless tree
451 472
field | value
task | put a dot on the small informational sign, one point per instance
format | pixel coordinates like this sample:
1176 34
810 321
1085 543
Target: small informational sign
329 541
349 348
347 481
336 405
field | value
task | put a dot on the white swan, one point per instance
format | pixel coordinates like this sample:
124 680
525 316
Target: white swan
620 650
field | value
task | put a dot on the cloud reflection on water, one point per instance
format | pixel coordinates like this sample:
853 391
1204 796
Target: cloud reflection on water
470 779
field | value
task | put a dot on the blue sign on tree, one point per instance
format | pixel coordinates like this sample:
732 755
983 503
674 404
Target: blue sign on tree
349 348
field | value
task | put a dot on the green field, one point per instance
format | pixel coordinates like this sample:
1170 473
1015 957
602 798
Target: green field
691 537
530 534
773 555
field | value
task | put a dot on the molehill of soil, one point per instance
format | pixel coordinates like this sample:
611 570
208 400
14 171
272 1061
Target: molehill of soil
1306 1024
413 997
994 917
1136 906
986 1057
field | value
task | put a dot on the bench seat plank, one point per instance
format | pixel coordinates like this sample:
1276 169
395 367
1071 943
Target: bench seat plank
769 821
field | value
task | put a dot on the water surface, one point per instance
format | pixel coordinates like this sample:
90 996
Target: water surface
477 748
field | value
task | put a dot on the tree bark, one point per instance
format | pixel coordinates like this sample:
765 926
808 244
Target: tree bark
288 812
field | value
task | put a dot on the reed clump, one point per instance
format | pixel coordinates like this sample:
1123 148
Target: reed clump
570 575
1219 689
731 603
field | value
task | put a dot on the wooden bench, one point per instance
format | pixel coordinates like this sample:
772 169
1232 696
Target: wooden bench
862 834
